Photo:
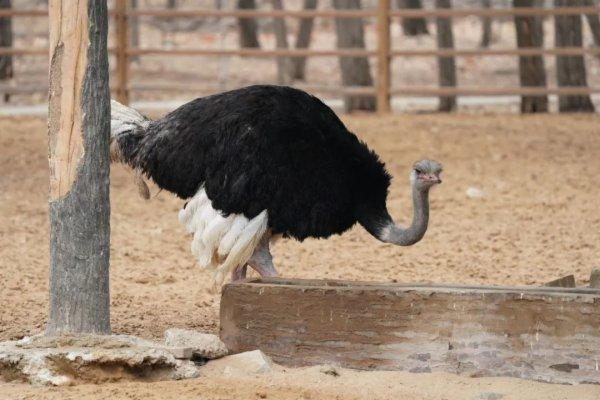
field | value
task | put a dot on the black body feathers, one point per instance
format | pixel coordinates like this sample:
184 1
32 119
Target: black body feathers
265 147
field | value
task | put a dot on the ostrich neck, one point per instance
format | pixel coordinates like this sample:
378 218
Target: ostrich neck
406 237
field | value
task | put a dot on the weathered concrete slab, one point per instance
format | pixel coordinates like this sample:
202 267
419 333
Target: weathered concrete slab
90 359
547 334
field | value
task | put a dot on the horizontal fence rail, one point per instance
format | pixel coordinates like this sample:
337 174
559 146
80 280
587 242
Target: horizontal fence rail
404 13
558 51
384 52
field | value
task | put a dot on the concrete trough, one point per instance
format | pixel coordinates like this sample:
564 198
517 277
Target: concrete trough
540 333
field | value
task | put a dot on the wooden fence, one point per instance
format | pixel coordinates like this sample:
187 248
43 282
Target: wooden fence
383 90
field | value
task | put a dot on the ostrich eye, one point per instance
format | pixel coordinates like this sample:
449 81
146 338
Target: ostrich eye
418 171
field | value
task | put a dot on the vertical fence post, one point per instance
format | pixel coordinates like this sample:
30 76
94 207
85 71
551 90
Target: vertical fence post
383 56
122 57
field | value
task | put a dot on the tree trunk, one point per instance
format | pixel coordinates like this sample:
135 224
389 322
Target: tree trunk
486 27
6 40
355 70
532 73
594 23
248 28
171 4
134 30
413 26
446 65
280 29
570 70
79 129
298 64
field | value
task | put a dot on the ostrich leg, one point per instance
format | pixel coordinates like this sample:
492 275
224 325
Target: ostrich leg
261 261
239 273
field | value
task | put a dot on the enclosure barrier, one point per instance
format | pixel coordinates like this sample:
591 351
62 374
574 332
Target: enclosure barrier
545 334
384 53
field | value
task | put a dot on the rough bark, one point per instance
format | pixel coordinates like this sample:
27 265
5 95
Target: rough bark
280 29
413 26
355 70
248 28
486 27
446 65
6 40
298 64
570 70
530 33
79 128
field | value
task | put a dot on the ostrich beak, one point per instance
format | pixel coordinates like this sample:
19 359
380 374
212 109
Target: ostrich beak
432 178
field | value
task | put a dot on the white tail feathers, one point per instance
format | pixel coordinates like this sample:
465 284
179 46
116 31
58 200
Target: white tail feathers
123 119
221 243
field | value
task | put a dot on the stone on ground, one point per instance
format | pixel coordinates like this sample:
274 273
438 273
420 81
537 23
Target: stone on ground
595 279
250 362
489 396
202 345
474 193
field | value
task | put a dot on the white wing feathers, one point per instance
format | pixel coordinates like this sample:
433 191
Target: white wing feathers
221 243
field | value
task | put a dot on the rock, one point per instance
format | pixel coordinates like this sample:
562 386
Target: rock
489 396
202 345
595 279
329 370
67 360
250 362
565 282
474 193
181 353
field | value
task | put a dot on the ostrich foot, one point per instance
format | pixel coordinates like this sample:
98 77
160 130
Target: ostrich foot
239 273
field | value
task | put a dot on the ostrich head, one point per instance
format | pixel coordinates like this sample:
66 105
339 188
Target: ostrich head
425 174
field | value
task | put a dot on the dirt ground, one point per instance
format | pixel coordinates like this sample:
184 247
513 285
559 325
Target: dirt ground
537 220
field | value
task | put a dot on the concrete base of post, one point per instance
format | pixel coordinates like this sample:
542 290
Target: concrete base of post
68 360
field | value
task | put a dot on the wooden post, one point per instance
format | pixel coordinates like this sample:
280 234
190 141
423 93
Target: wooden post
6 40
594 23
446 65
570 70
383 56
356 71
79 129
281 42
486 26
298 67
532 73
134 30
413 26
248 28
122 57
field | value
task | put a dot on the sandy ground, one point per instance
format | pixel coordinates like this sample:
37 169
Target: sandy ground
537 221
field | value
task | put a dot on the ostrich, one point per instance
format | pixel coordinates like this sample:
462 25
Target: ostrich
262 162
